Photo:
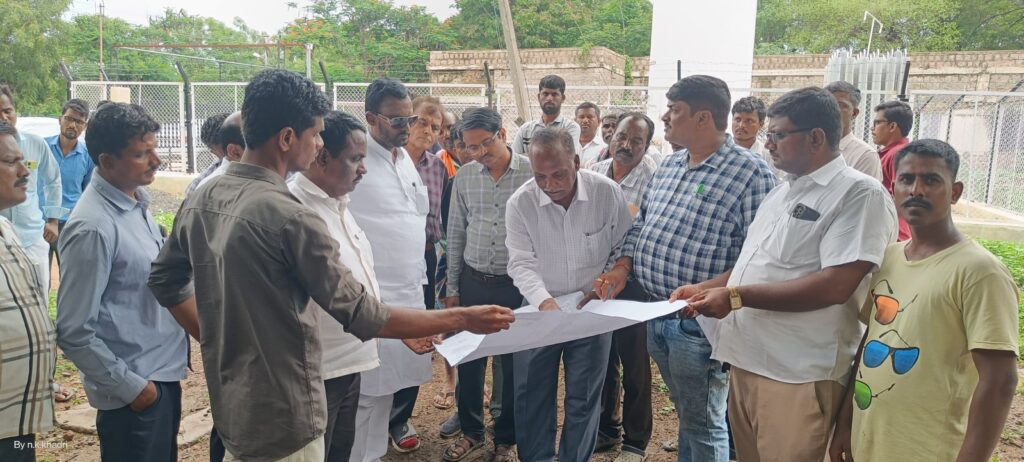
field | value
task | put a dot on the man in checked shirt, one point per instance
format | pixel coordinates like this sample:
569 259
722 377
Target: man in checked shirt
690 227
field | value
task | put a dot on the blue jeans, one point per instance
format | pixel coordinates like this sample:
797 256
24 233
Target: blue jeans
697 385
536 390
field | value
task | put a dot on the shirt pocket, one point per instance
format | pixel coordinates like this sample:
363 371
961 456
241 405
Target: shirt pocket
794 241
597 245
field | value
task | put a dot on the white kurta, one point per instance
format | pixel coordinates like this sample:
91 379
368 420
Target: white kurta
390 205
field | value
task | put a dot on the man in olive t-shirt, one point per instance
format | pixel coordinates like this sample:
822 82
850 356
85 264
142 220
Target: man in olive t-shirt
936 372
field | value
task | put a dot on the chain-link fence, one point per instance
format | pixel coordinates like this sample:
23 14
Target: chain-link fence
987 129
164 101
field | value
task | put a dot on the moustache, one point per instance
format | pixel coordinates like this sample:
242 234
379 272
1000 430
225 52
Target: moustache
918 202
624 152
21 181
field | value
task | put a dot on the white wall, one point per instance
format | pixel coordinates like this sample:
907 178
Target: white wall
712 38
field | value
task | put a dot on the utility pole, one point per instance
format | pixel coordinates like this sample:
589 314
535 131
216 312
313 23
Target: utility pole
309 61
515 66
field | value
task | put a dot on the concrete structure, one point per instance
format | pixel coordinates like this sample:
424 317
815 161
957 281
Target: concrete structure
599 66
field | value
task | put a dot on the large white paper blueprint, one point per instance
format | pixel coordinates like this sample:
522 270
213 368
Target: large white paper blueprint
534 329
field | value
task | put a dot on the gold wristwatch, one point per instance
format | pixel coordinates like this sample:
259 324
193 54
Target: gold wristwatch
734 298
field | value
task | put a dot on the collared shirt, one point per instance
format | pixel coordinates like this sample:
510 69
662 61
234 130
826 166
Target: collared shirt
29 217
888 160
27 351
202 175
861 156
830 217
108 322
555 251
391 206
476 220
257 256
522 140
75 172
634 184
434 174
590 152
223 167
343 353
693 220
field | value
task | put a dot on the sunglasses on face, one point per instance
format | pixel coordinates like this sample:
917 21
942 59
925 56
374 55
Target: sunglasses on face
887 306
398 122
862 394
903 359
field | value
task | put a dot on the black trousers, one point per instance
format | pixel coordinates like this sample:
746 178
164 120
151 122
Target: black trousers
401 407
342 403
150 435
18 448
53 245
626 401
477 291
429 297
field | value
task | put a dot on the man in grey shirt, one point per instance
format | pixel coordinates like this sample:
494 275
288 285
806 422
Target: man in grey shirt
256 256
131 353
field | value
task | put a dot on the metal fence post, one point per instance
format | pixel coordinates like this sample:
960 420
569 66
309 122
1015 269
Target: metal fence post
189 109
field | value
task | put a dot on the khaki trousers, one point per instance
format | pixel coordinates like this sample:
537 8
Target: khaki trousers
774 421
312 452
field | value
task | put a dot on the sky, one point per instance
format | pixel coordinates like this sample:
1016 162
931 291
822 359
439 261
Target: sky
264 15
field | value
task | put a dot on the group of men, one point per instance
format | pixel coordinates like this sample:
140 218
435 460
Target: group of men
291 254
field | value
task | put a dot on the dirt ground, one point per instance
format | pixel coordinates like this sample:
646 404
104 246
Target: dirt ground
70 446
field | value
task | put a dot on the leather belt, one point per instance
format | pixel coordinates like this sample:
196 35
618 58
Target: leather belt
486 278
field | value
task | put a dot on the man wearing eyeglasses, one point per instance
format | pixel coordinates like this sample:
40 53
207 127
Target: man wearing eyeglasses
938 365
789 305
391 206
477 269
72 159
36 219
890 128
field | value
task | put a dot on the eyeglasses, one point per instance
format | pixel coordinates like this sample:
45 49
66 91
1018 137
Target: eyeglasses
887 306
880 121
903 359
862 394
73 120
398 122
775 137
472 149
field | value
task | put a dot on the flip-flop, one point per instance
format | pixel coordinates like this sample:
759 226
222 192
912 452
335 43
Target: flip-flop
445 400
64 395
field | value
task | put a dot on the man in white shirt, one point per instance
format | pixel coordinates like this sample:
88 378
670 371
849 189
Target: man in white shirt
563 229
391 206
324 188
230 137
550 95
857 153
789 307
588 116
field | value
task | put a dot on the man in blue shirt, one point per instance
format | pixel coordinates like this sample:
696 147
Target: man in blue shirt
131 352
72 158
35 221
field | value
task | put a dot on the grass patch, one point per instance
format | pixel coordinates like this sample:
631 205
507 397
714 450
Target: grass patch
165 219
1012 255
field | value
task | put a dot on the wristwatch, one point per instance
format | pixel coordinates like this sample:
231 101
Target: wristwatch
734 298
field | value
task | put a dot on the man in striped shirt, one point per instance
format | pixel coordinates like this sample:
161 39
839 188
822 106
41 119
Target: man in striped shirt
26 331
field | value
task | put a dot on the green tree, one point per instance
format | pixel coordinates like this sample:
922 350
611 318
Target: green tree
29 32
991 25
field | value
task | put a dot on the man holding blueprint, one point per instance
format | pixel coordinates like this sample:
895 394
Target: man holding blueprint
564 227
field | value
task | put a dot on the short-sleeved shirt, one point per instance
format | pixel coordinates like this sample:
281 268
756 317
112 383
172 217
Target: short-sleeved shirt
27 350
916 376
887 157
521 143
830 217
75 171
693 220
257 256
